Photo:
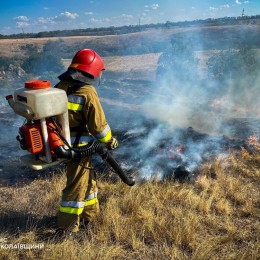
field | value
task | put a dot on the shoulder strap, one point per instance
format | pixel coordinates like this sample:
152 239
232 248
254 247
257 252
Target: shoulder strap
73 88
82 128
56 85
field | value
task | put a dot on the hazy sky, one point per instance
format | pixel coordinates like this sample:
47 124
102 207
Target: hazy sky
27 16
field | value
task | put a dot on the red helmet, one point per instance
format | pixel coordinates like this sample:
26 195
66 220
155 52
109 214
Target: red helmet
87 60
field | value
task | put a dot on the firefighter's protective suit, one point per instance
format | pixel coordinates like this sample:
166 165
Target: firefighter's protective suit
86 116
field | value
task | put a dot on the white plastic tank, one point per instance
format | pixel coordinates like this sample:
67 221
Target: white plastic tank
39 100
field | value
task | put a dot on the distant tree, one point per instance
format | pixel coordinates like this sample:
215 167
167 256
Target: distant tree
234 64
29 49
49 60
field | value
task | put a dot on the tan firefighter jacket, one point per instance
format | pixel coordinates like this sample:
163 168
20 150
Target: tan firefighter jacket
84 107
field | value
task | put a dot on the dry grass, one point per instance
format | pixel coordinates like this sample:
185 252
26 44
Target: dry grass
217 217
15 47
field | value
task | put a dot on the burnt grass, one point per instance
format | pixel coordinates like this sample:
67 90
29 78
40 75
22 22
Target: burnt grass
203 205
177 154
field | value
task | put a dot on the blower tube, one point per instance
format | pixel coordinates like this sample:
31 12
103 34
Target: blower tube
88 150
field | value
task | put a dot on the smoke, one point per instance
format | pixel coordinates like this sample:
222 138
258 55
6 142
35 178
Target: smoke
10 167
183 98
181 117
10 122
189 116
174 103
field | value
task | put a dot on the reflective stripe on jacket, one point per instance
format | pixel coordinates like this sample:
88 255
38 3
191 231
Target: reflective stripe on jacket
75 103
105 135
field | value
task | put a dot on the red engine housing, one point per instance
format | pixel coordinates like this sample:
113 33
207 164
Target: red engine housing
32 140
31 134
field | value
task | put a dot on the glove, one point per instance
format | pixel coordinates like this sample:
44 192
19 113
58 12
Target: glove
112 143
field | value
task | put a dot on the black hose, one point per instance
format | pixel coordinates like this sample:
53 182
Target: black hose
61 152
88 150
130 181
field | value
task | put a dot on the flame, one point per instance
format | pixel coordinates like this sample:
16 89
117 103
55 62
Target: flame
171 152
254 142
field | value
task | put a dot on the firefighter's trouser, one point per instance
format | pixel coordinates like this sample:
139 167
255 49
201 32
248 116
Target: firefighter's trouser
79 198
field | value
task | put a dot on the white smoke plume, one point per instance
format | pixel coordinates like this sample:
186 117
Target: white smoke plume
186 122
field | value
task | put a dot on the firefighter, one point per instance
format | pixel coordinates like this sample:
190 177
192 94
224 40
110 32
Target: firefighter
87 122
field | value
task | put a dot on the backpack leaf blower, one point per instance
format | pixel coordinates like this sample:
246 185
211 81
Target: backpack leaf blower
46 135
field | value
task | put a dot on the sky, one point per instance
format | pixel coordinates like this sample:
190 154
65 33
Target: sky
32 16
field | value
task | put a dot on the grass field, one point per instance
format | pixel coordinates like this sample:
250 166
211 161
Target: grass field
217 217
